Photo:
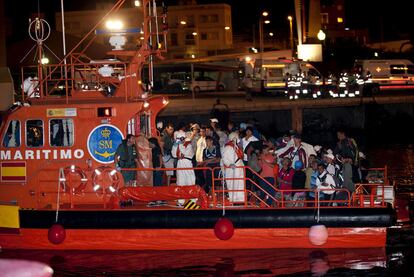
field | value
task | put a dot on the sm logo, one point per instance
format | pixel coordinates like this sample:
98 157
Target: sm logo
103 141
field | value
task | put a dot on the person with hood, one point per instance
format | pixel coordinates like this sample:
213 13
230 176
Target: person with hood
126 156
232 161
183 151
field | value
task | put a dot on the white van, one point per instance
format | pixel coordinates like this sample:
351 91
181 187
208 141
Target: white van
270 75
389 74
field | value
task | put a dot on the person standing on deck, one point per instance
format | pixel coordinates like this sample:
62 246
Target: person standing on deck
246 140
183 151
157 162
296 152
126 156
232 161
347 147
167 142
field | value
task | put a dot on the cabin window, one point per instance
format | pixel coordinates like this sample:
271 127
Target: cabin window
131 127
144 124
61 132
12 136
397 69
34 133
275 72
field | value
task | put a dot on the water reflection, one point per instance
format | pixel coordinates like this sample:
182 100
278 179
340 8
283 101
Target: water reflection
319 263
268 262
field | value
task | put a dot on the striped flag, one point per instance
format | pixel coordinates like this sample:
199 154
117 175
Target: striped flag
13 171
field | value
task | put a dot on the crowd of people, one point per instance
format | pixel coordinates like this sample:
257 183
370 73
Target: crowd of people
278 168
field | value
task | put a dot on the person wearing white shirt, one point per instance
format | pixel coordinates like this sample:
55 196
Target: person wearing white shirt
325 184
201 145
246 140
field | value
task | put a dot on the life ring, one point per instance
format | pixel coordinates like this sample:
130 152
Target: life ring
71 176
105 179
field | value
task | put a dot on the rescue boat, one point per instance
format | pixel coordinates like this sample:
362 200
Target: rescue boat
59 188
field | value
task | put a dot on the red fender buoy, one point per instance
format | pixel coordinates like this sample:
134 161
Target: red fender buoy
56 234
318 234
224 229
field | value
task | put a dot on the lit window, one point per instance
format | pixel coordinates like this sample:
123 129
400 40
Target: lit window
61 132
340 19
12 136
34 133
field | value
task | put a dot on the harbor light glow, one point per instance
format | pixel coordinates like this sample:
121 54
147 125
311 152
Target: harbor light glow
321 35
114 24
44 60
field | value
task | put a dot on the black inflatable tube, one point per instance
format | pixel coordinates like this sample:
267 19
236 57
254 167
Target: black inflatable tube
200 219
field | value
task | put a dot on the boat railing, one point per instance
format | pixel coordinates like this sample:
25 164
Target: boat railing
79 187
62 80
376 175
373 195
79 78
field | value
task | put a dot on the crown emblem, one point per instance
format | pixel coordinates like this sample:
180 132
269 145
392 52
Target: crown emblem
105 133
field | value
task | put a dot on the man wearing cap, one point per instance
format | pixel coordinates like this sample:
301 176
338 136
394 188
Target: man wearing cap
183 151
325 184
330 164
213 123
194 135
296 152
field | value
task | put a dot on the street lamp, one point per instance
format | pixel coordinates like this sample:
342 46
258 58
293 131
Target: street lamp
197 43
321 35
261 21
290 18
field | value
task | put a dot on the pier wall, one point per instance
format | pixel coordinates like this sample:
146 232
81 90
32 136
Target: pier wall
376 121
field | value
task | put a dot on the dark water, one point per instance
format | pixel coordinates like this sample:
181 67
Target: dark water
397 259
298 262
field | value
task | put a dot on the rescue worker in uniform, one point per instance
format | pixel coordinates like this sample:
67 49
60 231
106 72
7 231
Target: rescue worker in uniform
232 160
291 86
126 156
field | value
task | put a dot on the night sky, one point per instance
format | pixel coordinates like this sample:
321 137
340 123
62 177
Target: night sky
394 18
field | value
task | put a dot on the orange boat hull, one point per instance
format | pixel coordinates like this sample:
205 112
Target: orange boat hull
180 239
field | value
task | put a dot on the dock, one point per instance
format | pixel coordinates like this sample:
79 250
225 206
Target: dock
236 102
